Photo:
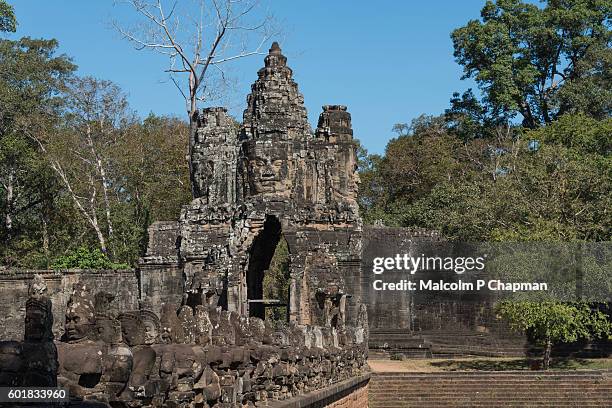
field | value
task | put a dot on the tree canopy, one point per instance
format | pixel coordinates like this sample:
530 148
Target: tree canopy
540 62
473 172
79 171
8 22
553 322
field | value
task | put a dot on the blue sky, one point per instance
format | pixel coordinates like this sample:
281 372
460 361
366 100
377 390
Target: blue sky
389 61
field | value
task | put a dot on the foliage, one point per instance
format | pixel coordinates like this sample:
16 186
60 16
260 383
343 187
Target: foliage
121 174
579 132
276 282
8 22
469 119
541 62
86 258
65 141
155 173
80 149
31 79
498 188
551 322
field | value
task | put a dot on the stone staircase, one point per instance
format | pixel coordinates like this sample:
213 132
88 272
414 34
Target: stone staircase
584 389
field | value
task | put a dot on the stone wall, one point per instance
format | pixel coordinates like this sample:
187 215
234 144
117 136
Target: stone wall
425 323
358 398
160 275
351 393
14 293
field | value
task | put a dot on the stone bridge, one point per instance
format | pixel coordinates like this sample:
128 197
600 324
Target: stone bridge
189 327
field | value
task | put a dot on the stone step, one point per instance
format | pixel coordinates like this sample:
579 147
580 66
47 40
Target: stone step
496 402
503 388
496 380
552 398
509 381
585 389
526 395
505 381
500 401
488 388
489 405
498 374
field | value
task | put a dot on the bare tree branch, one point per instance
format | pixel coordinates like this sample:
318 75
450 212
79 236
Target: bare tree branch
161 34
210 43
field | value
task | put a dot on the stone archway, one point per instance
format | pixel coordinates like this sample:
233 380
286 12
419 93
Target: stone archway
261 255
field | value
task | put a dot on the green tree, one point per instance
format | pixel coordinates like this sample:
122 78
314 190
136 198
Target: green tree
276 283
120 174
31 80
554 183
150 179
77 168
468 118
84 258
540 62
370 186
552 322
8 22
151 159
80 152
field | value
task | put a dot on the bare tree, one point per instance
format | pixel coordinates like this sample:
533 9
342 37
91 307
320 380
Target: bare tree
80 151
199 40
85 204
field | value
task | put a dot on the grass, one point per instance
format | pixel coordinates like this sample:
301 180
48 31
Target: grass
488 364
522 364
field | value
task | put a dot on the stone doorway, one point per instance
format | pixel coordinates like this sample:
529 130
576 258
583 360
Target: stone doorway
267 278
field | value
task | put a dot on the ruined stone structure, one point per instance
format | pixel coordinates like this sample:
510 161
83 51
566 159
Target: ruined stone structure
426 323
272 176
188 328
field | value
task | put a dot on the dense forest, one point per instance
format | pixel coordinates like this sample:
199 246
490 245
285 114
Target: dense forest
81 176
526 156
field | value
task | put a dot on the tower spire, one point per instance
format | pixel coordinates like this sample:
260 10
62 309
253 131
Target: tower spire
275 105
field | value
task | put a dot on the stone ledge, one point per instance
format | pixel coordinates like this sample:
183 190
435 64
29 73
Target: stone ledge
321 397
28 274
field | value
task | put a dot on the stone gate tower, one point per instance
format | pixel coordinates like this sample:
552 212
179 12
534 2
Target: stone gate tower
272 176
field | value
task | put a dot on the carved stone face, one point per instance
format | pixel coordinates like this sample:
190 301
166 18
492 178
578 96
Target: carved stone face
78 326
132 328
151 333
166 336
210 292
267 167
80 317
108 330
133 333
11 362
257 327
280 338
118 364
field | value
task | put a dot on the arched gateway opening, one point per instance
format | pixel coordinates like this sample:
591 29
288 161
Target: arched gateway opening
268 274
